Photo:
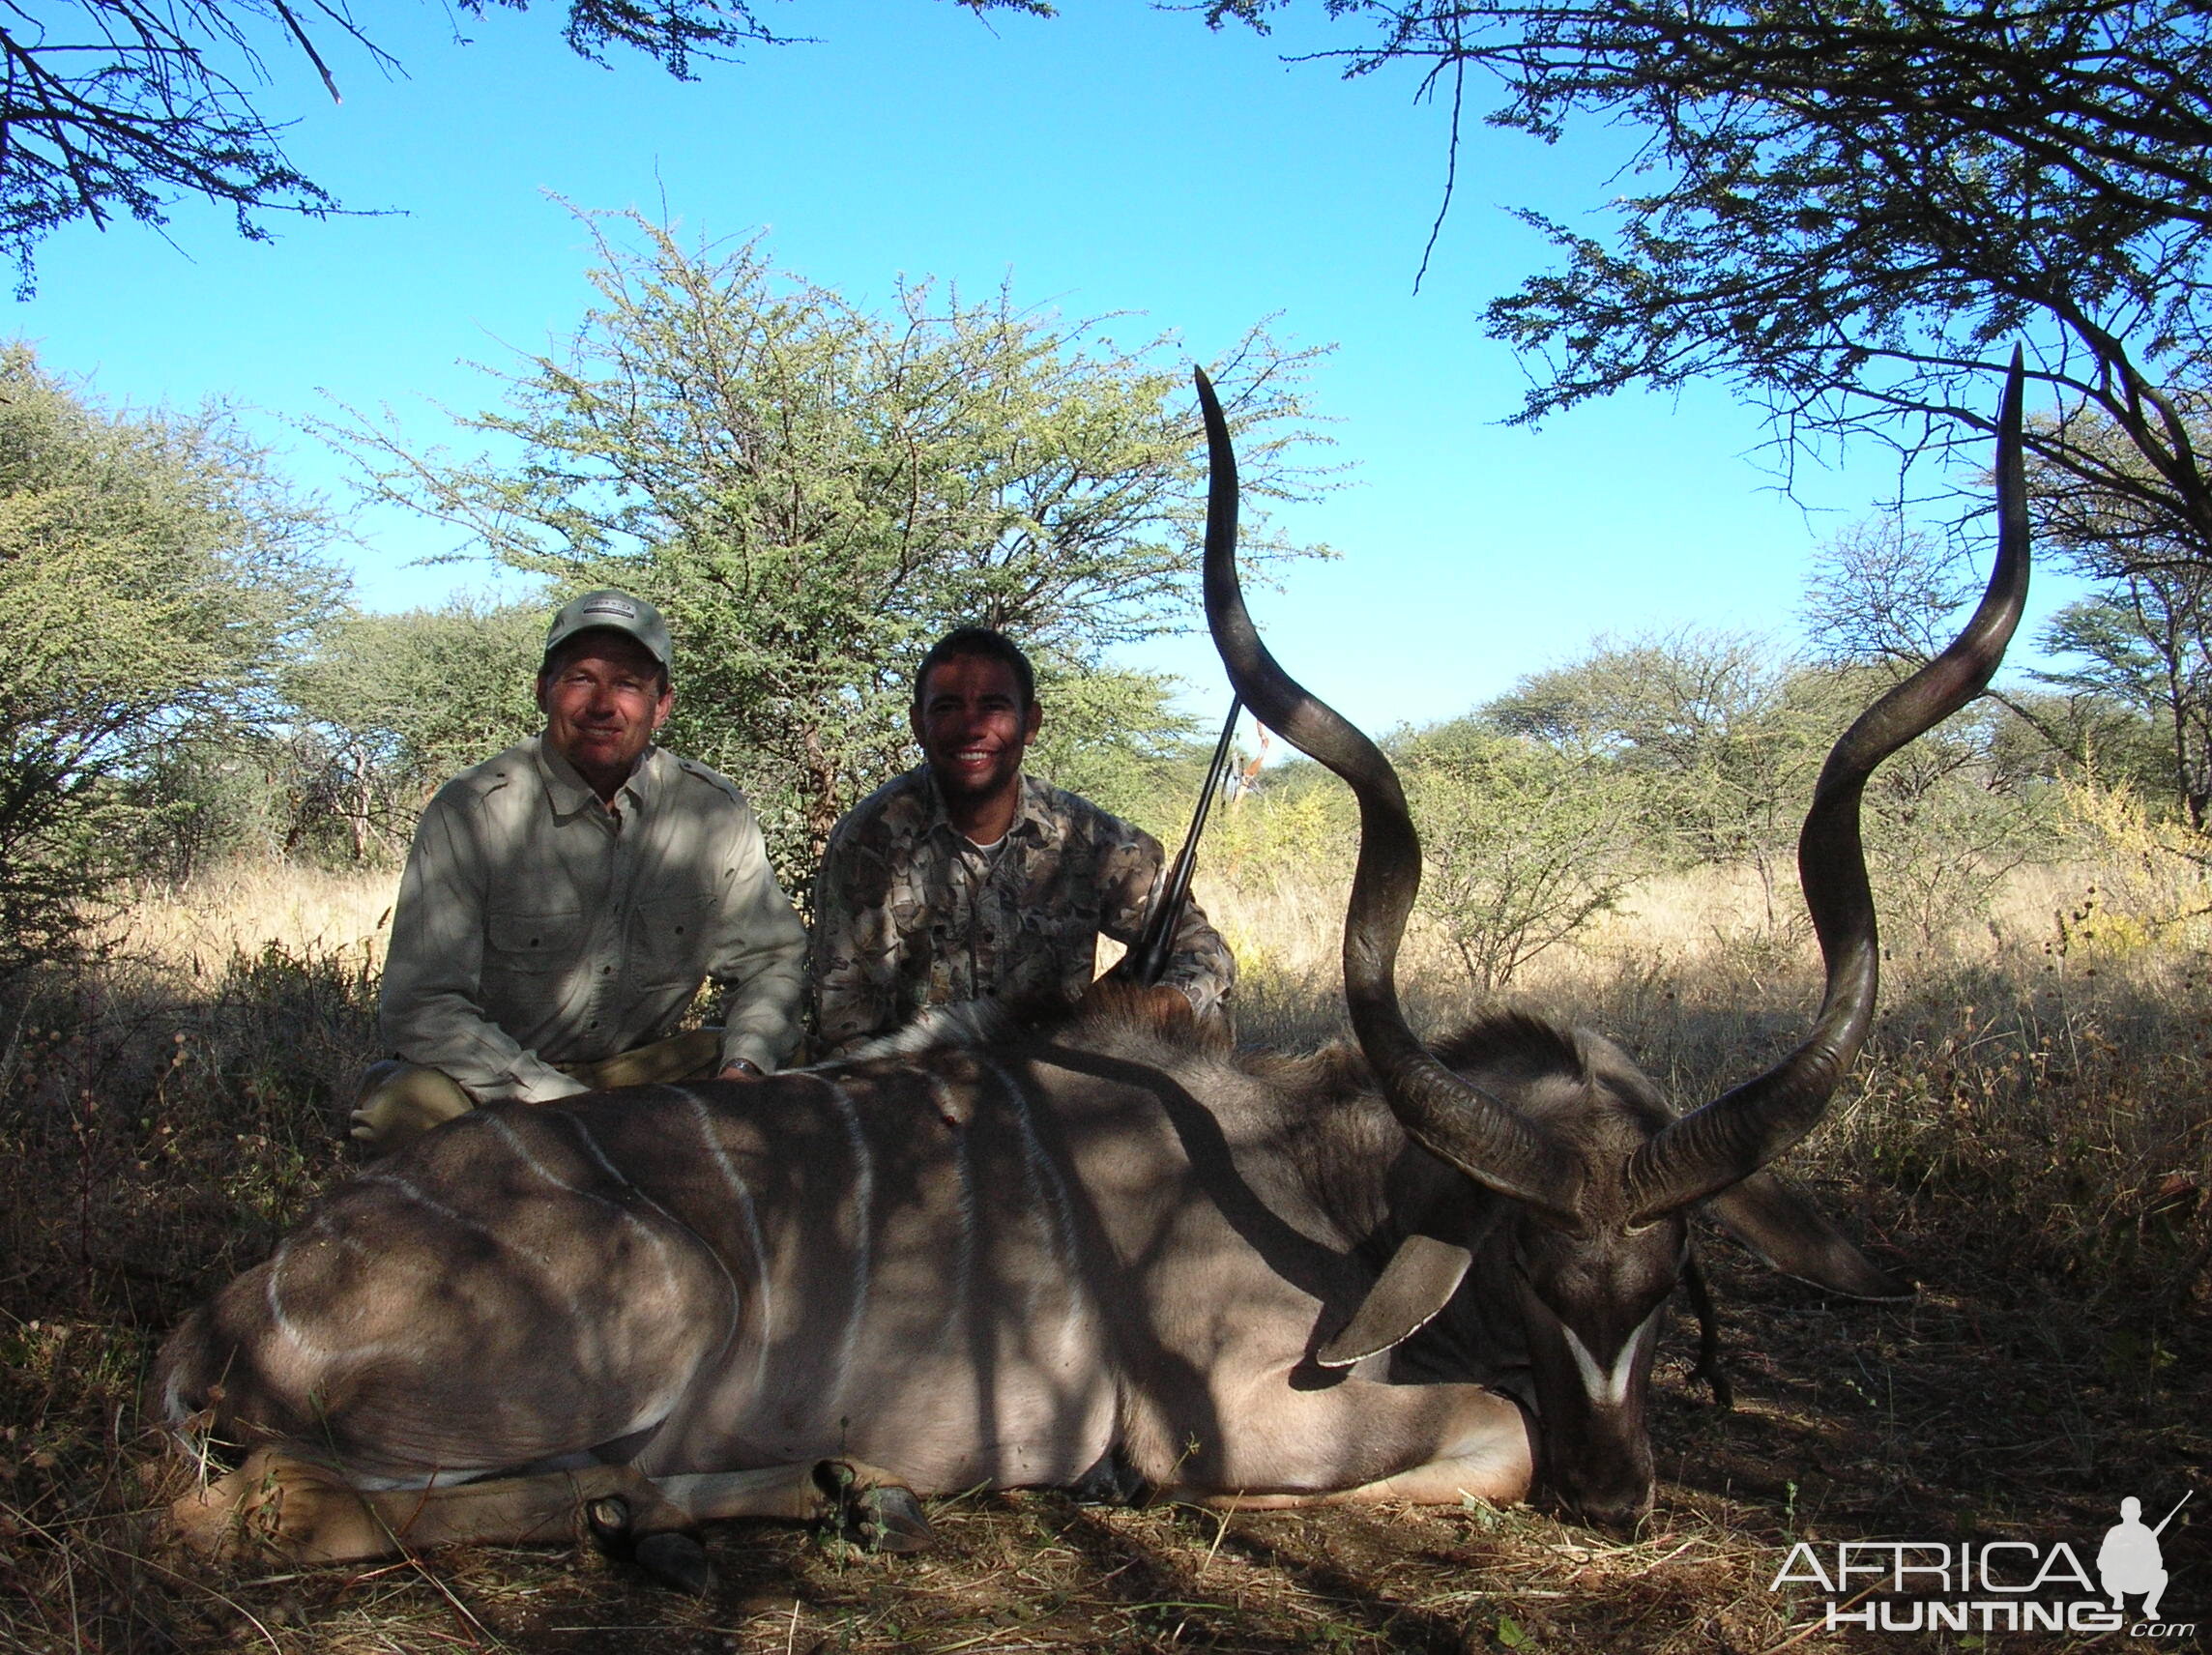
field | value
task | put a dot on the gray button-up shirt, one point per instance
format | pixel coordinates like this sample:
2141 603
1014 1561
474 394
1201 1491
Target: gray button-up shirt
537 926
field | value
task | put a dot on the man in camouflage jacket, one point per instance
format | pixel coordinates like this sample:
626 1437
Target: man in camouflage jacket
965 879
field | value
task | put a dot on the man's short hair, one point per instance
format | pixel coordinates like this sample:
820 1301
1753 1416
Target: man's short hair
986 643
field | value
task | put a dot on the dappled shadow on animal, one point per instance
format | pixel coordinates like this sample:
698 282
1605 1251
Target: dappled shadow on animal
1093 1248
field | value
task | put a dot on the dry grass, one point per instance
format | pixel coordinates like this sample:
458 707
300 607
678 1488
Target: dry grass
2030 1139
243 909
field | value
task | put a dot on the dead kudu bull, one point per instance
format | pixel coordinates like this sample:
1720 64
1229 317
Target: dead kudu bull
1106 1245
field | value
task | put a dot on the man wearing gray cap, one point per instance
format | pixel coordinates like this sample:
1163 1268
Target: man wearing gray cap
564 902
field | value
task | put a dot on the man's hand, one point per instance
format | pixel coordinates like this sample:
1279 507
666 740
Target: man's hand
741 1069
400 1103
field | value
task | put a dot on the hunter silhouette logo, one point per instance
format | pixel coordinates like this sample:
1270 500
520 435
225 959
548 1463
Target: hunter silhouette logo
1991 1585
2129 1559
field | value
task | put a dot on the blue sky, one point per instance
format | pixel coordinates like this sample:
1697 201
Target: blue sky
1114 158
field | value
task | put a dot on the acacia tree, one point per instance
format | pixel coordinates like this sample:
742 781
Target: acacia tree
2142 643
1701 723
1848 211
110 107
390 705
813 491
156 577
1522 844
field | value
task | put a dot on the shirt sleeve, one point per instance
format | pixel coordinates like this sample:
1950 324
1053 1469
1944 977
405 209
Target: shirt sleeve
429 1010
759 957
1199 962
852 981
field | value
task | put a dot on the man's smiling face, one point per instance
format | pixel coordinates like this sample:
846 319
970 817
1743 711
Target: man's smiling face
973 727
603 696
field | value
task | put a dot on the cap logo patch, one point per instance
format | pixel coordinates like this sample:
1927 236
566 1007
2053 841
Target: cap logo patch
610 607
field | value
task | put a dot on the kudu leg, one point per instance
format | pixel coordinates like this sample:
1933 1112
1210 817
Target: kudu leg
306 1513
1485 1476
864 1502
1448 1441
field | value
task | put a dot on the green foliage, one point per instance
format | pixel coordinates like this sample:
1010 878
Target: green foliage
1849 213
1882 595
1710 729
1946 820
813 492
1717 740
2142 645
155 576
1116 739
377 712
1298 823
428 691
392 706
1523 843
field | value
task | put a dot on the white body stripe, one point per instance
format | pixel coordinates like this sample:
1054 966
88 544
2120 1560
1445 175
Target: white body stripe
655 1407
963 1254
863 1237
764 1333
409 1192
1049 1191
737 1298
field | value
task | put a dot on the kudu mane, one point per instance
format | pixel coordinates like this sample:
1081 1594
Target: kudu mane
1337 1127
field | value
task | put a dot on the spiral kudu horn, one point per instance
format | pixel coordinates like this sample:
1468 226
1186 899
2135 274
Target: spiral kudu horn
1487 1140
1739 1132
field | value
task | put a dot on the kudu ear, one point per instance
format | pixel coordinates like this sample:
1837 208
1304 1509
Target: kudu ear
1416 1284
1789 1233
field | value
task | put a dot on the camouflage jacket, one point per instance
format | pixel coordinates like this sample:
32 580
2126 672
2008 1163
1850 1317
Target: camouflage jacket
908 913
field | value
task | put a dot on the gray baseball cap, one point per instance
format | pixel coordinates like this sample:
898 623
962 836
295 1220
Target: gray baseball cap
616 612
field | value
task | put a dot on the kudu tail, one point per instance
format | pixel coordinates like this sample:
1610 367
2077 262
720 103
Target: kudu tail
185 1387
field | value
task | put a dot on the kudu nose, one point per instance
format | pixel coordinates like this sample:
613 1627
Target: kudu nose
1605 1509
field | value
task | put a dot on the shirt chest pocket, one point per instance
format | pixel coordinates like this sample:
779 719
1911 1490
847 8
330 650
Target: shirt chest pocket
1062 945
669 939
533 942
1076 921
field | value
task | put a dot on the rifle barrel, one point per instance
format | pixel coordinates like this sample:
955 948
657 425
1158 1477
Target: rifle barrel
1154 944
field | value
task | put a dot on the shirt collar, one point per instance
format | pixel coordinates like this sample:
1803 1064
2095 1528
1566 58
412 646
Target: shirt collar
571 792
1033 818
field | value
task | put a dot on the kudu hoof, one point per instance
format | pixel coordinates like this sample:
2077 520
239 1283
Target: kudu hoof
676 1560
891 1521
1111 1481
877 1517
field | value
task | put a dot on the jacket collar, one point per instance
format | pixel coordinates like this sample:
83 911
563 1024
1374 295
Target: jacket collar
1033 816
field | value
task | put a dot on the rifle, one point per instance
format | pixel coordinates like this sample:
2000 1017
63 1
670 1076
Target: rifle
1154 945
2168 1517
